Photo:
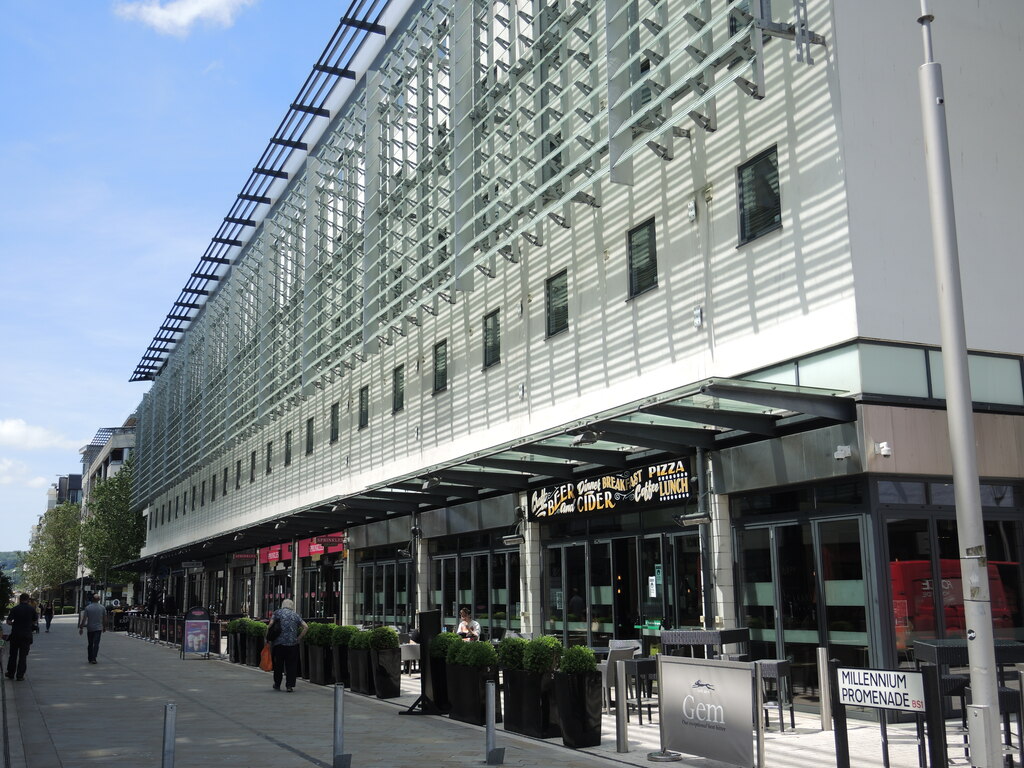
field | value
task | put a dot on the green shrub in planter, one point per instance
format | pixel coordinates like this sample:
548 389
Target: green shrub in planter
255 635
577 659
255 629
341 634
469 667
383 638
441 644
359 670
360 640
510 653
319 635
477 654
542 654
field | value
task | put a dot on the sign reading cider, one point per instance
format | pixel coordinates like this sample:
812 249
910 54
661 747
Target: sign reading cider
657 484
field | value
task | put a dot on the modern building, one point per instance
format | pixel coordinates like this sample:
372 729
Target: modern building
603 317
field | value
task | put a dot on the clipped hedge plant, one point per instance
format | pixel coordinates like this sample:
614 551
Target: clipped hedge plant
341 634
360 640
577 659
319 634
542 654
255 628
383 638
477 654
510 653
441 643
236 625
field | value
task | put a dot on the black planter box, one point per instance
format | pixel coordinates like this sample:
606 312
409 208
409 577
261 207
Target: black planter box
321 667
236 648
467 690
579 708
253 648
359 672
303 660
387 672
529 704
438 692
339 661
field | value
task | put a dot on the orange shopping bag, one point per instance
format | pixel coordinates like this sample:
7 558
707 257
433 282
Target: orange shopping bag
266 660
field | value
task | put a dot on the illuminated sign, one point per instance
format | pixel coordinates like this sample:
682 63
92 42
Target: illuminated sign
653 485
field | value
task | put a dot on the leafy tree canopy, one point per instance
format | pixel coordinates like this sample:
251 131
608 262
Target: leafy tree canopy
112 533
52 557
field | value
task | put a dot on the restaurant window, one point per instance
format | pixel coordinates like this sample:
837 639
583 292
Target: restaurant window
398 389
760 201
492 339
193 498
213 487
557 303
643 259
364 407
335 422
441 366
288 448
309 436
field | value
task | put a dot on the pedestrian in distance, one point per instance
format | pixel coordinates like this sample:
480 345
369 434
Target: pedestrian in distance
285 647
94 621
22 619
48 614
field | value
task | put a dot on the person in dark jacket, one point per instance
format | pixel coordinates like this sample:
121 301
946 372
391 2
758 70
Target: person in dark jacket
23 621
48 614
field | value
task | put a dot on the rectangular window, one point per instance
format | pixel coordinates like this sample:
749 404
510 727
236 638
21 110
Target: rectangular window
364 407
224 482
557 301
309 436
288 448
492 339
238 474
335 422
441 366
398 389
270 455
760 200
193 498
202 495
643 259
176 505
213 487
252 467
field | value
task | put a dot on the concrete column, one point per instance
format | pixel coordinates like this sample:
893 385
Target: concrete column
531 579
257 589
348 589
424 600
722 562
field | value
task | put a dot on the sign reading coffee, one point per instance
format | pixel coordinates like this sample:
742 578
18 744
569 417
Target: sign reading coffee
657 484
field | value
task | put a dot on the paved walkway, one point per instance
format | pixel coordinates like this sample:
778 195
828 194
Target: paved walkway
71 714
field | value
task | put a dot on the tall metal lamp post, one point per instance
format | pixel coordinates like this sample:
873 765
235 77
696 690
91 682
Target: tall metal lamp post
984 733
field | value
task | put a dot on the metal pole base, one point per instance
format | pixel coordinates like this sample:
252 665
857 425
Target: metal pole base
496 756
665 756
342 761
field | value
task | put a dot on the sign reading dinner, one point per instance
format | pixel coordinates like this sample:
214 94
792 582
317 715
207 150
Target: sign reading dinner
881 689
656 484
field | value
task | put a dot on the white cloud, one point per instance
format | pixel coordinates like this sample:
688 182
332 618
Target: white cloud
17 433
14 472
177 17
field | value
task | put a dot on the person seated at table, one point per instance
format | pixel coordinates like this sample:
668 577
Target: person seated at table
468 628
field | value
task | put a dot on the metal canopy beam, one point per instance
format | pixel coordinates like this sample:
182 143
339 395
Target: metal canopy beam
255 198
369 26
550 469
582 455
825 406
497 480
755 423
663 438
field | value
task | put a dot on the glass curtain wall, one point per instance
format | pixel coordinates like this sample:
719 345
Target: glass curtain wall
384 593
243 582
277 585
487 582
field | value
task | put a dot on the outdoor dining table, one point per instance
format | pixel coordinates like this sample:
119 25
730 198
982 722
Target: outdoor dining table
673 638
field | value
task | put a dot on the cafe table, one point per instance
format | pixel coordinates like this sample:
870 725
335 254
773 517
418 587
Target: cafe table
672 639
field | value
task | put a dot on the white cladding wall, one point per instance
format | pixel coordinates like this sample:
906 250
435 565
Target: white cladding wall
785 294
878 50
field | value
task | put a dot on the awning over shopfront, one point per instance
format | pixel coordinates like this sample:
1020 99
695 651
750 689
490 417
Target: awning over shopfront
712 414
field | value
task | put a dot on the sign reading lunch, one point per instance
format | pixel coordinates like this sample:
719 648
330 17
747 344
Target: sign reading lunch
659 483
882 689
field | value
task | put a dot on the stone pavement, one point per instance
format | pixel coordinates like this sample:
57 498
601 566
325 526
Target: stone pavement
71 714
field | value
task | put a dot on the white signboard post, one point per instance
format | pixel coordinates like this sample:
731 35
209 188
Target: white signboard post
897 689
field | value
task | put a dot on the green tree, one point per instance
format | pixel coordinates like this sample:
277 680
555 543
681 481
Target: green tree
112 533
6 589
52 557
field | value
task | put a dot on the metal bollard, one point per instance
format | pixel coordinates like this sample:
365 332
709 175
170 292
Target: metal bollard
495 755
168 754
759 703
621 709
826 694
341 760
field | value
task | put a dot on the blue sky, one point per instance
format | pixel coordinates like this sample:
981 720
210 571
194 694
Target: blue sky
127 130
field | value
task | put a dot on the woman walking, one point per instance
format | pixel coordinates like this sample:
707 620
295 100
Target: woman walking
285 647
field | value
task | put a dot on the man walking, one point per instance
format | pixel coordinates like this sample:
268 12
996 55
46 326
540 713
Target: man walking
22 619
94 620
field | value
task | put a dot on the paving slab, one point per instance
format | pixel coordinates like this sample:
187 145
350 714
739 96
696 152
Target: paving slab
70 714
